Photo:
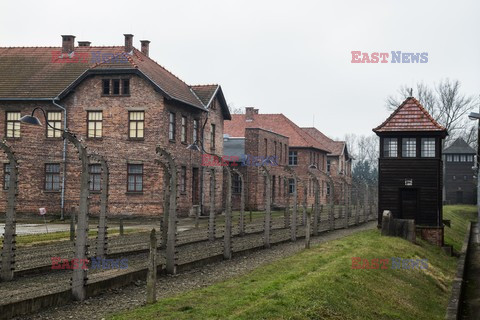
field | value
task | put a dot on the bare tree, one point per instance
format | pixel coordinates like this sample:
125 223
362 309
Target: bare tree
234 110
363 147
445 103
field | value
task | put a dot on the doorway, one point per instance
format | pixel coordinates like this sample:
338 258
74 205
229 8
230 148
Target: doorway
459 197
408 203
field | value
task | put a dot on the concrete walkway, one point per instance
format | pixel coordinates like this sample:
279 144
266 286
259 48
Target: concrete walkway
471 301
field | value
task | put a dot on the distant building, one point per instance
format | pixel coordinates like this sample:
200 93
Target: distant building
410 169
460 185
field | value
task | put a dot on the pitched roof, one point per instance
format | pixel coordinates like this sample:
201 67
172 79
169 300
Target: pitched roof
277 123
336 147
459 146
410 116
46 73
207 92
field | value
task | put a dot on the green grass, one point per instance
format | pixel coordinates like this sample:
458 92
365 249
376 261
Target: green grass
320 284
460 216
46 238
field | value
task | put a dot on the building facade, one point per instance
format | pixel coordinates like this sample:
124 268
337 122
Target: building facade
122 105
460 182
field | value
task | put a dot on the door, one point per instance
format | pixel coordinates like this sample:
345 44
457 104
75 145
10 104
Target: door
409 203
459 197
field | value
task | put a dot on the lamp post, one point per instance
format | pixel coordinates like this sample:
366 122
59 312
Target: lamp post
79 276
476 116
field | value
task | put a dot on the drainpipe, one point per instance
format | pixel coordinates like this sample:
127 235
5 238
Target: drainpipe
62 197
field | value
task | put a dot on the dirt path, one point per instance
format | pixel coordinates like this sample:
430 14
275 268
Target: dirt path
134 296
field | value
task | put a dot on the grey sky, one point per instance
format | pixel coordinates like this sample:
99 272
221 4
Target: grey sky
290 57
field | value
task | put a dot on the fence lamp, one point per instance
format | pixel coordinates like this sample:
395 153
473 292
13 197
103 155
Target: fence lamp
32 120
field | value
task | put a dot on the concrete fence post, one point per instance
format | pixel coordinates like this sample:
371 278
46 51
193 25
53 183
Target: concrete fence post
211 218
102 234
307 216
227 235
286 213
79 277
268 204
8 250
152 270
121 226
241 223
166 204
293 223
172 215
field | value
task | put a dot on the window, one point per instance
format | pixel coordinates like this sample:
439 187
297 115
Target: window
94 119
195 130
328 165
126 86
106 86
183 180
286 152
136 124
116 86
55 120
428 147
184 129
456 158
95 171
292 158
469 158
52 177
6 176
291 185
236 183
281 148
390 147
212 137
266 147
449 158
135 177
465 178
409 147
463 158
328 189
275 149
171 126
454 177
13 124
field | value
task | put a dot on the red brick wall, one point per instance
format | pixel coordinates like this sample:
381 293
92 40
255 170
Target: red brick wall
432 235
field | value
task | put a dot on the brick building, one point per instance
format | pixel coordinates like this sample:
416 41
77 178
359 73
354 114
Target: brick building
255 147
339 165
122 104
460 185
302 149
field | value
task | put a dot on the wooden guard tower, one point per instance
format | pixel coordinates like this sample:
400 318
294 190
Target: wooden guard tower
410 169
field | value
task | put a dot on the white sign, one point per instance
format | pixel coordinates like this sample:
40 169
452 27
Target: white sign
409 182
42 211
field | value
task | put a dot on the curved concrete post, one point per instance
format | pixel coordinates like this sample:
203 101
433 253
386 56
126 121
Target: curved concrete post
331 199
8 255
293 224
172 215
166 204
307 216
102 234
242 204
79 277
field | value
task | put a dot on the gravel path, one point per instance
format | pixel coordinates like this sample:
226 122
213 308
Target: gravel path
133 296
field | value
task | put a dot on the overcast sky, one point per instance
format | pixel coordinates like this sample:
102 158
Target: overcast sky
290 57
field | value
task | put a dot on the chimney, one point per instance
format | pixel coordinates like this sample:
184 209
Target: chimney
68 43
145 45
250 112
84 43
128 42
